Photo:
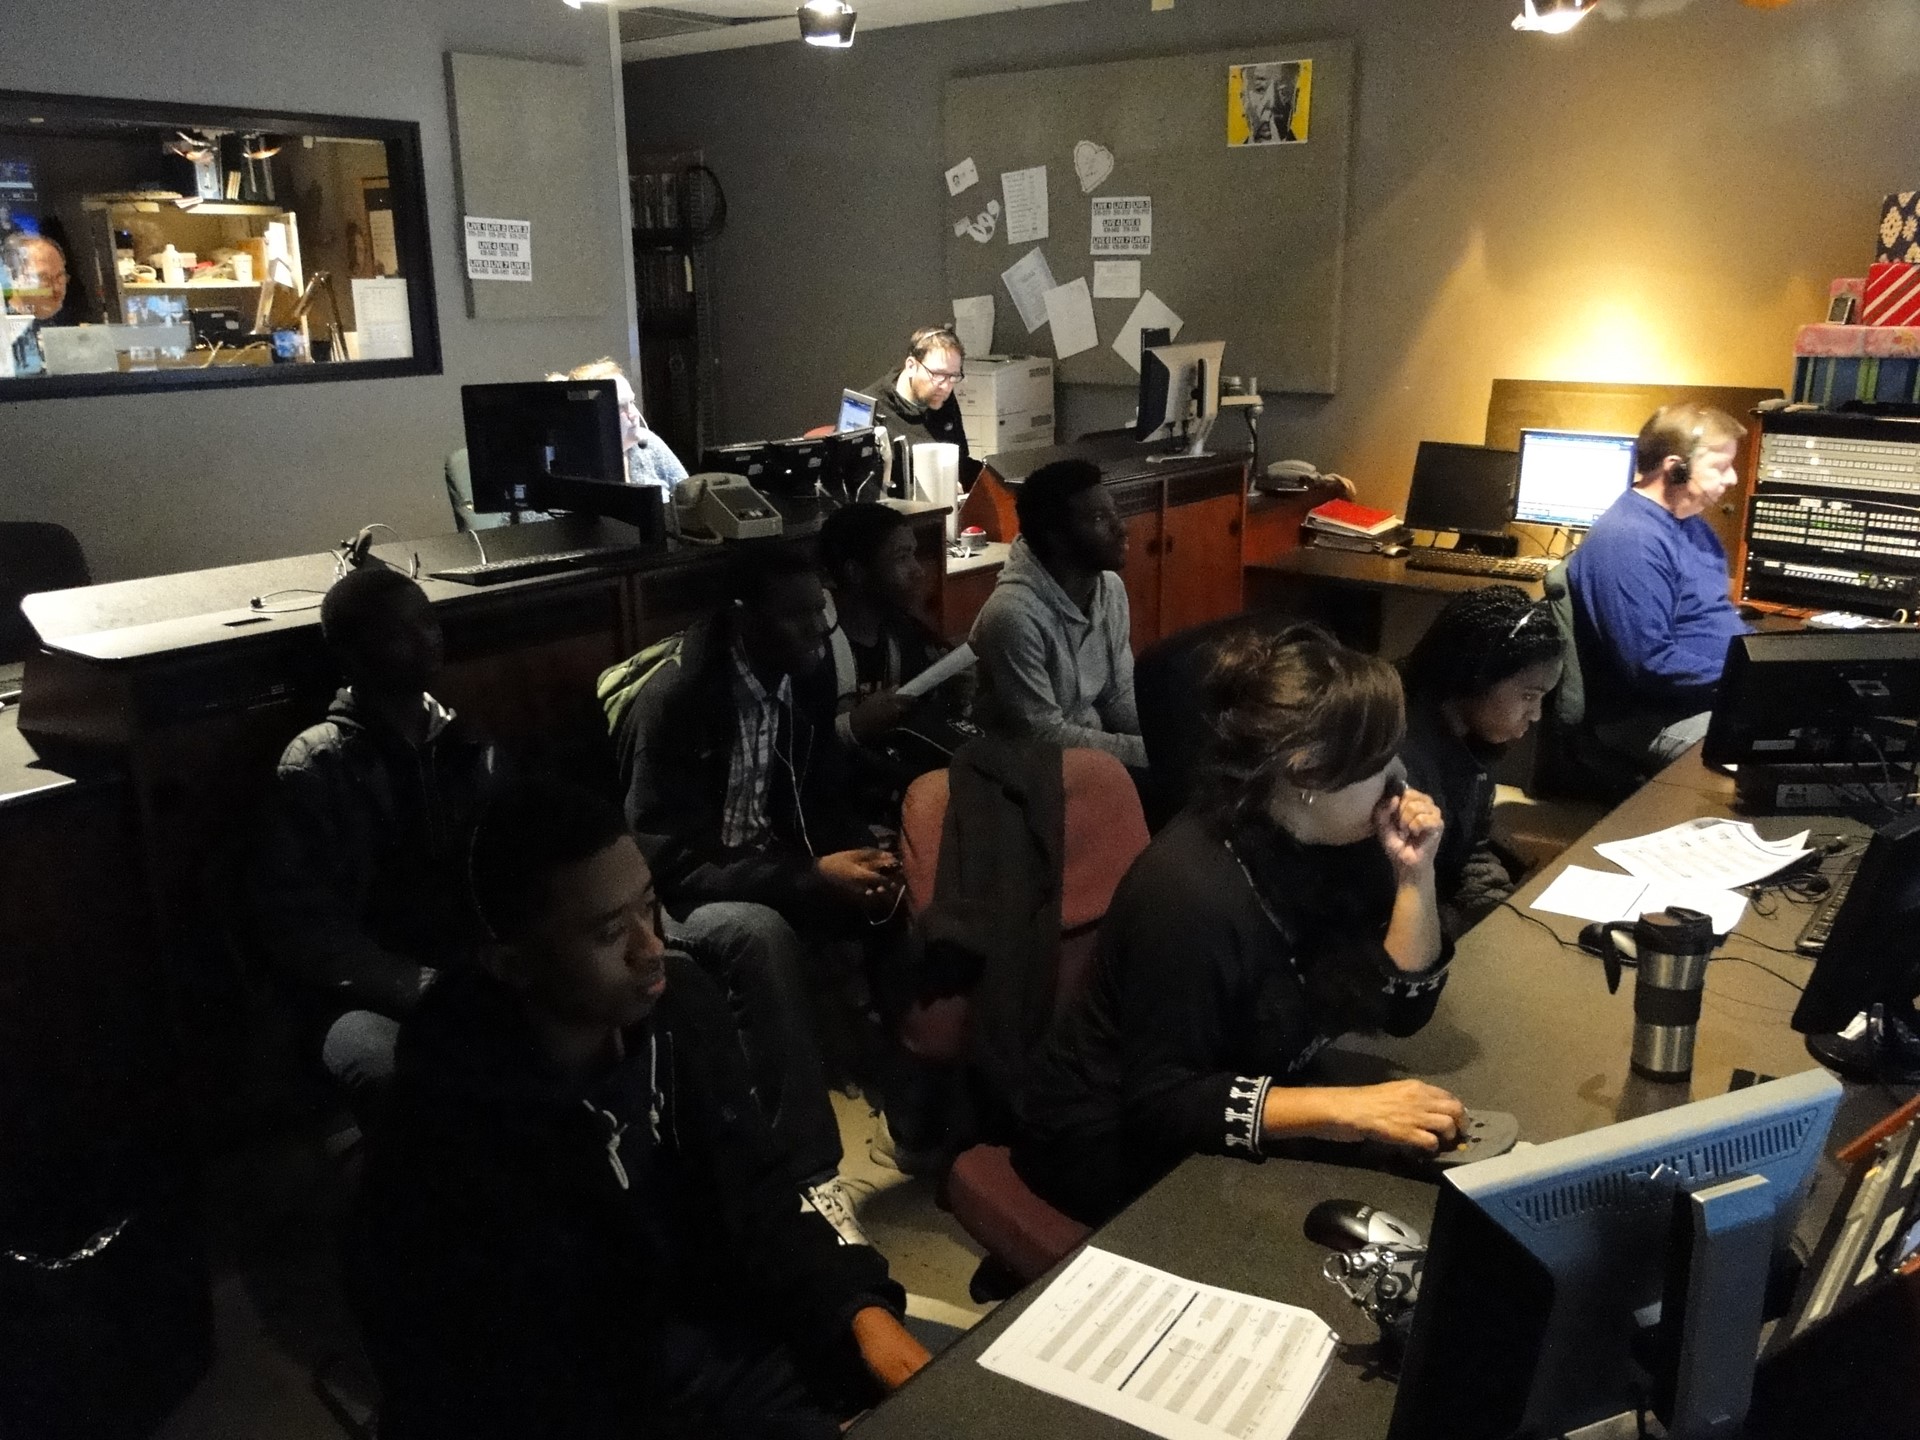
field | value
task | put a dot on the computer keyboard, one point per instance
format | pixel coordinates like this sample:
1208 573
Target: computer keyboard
1495 567
521 567
1813 935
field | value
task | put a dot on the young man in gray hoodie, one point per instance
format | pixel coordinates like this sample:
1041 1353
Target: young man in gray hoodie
1056 661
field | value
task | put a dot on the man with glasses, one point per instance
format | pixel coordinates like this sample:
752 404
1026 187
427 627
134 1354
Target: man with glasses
915 401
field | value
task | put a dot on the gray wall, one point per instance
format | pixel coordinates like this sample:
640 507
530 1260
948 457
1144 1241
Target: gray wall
158 483
1661 195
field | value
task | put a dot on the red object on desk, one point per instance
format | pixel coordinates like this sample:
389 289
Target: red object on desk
1352 518
1893 294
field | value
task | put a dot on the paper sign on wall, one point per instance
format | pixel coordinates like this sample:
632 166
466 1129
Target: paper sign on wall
1123 225
1028 280
1150 314
1116 279
963 176
973 323
499 249
1070 313
1026 192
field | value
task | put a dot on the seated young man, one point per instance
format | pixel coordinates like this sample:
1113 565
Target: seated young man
867 552
1054 638
576 1223
359 884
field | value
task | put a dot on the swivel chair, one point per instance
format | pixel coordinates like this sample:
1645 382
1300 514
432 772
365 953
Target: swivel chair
34 556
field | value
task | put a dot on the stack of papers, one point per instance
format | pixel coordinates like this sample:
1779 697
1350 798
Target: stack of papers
1176 1358
1696 864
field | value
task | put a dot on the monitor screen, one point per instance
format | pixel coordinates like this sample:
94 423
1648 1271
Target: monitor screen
856 411
1179 387
1468 489
1869 958
1569 477
521 434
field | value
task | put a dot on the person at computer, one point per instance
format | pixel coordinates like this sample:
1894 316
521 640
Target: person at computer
1292 902
915 400
650 460
575 1222
1475 683
1652 618
1054 637
36 283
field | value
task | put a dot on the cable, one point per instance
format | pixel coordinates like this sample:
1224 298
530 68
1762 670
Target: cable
1565 944
1768 969
264 603
481 545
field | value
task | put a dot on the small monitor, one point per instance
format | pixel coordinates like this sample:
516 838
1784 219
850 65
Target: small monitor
1545 1302
519 435
1813 697
1466 489
1869 958
1570 477
1179 391
856 411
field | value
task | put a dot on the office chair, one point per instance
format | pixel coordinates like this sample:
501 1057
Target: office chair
1571 762
460 496
1105 833
34 556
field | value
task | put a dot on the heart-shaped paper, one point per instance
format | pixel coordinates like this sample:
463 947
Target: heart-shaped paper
1093 164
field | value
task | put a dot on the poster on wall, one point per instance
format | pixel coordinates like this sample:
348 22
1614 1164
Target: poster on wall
1123 225
1269 103
499 249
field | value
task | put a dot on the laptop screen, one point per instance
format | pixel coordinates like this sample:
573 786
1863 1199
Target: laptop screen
856 411
1570 477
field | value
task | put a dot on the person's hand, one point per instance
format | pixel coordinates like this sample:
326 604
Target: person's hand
1409 825
877 714
1400 1112
892 1356
866 877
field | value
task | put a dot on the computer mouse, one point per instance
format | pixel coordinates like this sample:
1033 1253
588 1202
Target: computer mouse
1394 552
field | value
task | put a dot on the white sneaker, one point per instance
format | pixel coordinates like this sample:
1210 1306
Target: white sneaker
830 1200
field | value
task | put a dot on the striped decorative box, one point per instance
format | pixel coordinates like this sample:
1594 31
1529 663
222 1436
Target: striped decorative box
1893 294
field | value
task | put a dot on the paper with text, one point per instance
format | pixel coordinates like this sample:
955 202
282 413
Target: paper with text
1123 225
1150 314
1708 851
963 177
499 249
1028 280
973 323
381 318
1070 313
1116 279
1178 1359
1601 895
1026 196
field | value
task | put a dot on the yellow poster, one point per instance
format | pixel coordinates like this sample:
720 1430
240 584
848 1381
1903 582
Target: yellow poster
1269 104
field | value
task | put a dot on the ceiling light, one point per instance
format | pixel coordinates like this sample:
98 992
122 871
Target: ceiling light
1553 17
576 3
827 22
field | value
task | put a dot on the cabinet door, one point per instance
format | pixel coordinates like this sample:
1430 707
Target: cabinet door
1142 576
1200 563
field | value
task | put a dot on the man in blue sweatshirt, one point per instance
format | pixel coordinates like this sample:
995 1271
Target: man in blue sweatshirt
1652 615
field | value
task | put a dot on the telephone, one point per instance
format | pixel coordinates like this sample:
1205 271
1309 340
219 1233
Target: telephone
1289 477
724 505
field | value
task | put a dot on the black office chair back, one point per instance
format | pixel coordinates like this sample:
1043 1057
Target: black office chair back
34 556
1570 762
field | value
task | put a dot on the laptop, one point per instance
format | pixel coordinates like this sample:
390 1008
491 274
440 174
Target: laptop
856 411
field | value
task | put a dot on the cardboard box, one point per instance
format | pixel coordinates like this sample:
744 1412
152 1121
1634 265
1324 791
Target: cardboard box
1003 385
1893 294
1899 237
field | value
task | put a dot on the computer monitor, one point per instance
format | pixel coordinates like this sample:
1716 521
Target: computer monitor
519 435
1548 1299
1466 489
1817 697
855 468
856 411
1570 477
1870 957
1179 392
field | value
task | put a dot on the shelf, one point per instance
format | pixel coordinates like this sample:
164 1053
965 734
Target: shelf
134 287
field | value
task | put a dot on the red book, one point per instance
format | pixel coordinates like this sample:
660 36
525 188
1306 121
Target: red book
1344 515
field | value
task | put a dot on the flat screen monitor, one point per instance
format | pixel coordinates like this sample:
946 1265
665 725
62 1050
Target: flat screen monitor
519 435
856 411
1179 391
1570 477
1812 697
1467 489
1547 1267
1870 957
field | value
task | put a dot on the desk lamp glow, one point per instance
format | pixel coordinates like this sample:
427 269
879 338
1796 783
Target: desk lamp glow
1552 17
827 22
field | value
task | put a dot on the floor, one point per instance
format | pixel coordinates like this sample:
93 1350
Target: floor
278 1312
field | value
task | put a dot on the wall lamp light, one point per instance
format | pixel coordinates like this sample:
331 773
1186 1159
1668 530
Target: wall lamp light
827 22
1553 17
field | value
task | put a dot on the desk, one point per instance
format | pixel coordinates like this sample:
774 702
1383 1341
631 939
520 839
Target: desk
1524 1026
1368 601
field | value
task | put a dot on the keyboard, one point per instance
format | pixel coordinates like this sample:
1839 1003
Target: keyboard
1495 567
1813 935
521 567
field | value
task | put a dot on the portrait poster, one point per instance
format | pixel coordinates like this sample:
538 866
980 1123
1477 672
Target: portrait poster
1269 103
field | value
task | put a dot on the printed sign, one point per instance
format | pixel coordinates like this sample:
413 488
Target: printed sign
499 249
1123 225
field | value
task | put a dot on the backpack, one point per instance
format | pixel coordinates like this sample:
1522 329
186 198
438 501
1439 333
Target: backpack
619 684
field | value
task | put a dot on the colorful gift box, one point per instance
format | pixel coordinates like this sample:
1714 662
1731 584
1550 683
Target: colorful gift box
1854 287
1889 341
1900 227
1824 339
1893 294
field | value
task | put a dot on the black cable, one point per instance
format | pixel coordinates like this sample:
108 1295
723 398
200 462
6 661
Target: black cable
1565 944
1791 984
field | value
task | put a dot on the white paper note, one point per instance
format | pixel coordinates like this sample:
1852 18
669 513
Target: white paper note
496 249
1601 895
938 673
962 177
1709 851
1028 280
1178 1359
1116 279
380 315
1026 194
1123 225
1070 313
973 323
1150 314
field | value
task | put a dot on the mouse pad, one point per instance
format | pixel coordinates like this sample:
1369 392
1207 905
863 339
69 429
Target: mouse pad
1489 1133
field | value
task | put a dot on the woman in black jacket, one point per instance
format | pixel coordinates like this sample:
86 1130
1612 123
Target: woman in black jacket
1291 902
1475 684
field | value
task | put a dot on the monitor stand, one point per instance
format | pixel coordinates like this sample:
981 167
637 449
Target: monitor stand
1503 546
1884 1050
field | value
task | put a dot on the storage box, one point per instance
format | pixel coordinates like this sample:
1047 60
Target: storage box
1854 286
1893 294
1889 341
1830 340
1899 227
1003 385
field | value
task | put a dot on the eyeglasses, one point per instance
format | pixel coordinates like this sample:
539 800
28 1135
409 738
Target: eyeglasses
951 377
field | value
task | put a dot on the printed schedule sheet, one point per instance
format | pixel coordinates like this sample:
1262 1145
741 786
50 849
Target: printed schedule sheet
1176 1358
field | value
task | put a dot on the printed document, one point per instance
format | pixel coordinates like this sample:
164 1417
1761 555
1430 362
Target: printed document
1026 192
1719 854
1601 895
1028 280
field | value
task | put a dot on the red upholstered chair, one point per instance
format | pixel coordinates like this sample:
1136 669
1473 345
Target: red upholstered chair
1105 833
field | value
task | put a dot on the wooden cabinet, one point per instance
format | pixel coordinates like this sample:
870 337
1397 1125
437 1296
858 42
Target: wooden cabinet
1200 561
1139 506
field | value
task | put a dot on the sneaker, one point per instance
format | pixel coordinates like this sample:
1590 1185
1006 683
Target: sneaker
830 1200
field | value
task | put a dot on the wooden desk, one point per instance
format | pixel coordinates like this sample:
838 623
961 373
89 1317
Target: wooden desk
1368 601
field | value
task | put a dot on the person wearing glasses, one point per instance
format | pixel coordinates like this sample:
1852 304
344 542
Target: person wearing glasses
916 400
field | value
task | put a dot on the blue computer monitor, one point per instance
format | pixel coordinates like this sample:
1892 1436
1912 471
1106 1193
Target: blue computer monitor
1543 1306
856 411
1570 477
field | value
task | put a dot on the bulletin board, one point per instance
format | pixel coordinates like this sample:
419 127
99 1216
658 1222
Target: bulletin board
521 152
1247 239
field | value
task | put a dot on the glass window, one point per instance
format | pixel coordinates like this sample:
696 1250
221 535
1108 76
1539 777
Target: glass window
147 246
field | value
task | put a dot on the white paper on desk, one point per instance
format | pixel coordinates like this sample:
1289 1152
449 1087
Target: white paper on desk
1178 1359
973 323
1150 314
1028 280
1026 195
963 177
1709 851
1601 895
938 673
380 316
1116 279
1070 313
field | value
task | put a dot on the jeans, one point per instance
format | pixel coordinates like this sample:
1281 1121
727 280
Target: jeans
1675 739
754 955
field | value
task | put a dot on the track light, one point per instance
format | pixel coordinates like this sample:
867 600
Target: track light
827 22
1552 17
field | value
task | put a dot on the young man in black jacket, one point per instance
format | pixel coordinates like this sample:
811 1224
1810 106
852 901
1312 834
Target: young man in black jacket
576 1222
